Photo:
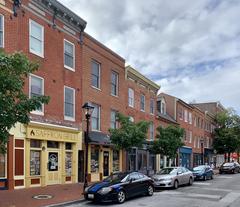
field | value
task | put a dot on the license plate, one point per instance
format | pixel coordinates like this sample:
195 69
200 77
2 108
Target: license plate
91 196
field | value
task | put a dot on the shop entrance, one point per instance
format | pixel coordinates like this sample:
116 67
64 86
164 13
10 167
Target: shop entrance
105 163
53 171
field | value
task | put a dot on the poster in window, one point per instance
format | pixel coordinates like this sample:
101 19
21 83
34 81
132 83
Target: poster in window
53 161
35 163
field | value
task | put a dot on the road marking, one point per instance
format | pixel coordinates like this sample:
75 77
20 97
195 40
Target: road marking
201 183
212 189
220 176
230 197
198 195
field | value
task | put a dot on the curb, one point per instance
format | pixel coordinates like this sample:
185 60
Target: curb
66 203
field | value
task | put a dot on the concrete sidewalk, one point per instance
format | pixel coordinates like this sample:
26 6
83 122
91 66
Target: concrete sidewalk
56 194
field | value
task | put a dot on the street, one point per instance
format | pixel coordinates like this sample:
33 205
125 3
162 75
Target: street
222 191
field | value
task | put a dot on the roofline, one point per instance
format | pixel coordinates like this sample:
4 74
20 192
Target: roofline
213 102
141 76
184 103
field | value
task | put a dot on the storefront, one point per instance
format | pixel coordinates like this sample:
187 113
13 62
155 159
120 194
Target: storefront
103 159
185 157
43 154
197 159
208 156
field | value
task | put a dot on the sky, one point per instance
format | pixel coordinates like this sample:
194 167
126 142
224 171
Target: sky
190 48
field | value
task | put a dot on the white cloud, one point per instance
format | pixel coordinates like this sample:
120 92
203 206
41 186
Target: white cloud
182 44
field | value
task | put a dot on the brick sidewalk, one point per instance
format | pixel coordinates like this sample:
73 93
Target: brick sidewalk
24 197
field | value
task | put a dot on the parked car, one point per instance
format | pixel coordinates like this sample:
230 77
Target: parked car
120 186
229 167
173 177
202 172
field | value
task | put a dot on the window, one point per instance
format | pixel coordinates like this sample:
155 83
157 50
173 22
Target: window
3 165
163 108
52 144
36 89
94 159
190 117
115 160
185 115
151 106
131 119
95 74
185 135
180 113
190 136
151 130
36 35
142 102
195 121
68 159
96 117
69 103
35 157
195 142
69 55
113 119
114 83
130 97
1 30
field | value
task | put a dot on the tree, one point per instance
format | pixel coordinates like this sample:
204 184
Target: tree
227 139
15 105
129 134
168 140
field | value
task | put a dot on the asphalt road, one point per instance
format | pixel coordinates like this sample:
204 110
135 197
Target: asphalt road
222 191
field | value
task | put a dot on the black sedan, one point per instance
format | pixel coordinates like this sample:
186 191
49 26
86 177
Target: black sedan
229 167
120 186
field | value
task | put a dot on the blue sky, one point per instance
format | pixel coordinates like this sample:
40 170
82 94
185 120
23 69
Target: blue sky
190 48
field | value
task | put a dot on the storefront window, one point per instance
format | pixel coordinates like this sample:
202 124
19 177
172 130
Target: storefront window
152 162
2 165
35 143
68 146
115 160
34 162
142 160
52 144
94 159
132 160
68 163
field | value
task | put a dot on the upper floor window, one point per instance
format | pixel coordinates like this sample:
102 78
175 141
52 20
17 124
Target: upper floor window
96 117
151 106
131 97
36 88
195 121
69 103
142 102
69 55
36 35
113 119
185 115
190 136
180 113
114 83
190 117
95 74
1 30
163 107
151 130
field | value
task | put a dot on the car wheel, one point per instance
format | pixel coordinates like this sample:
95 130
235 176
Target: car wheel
175 184
204 178
121 196
233 171
190 181
150 190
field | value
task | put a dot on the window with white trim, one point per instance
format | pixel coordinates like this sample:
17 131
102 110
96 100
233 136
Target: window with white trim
130 97
142 102
114 83
69 103
36 89
3 165
190 136
1 30
96 117
151 106
36 35
185 115
151 130
35 157
190 117
69 55
95 74
113 119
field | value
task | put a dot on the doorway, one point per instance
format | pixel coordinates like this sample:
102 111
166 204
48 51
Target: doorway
105 163
53 171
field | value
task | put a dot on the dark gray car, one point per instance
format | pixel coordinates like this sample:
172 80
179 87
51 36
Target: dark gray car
173 177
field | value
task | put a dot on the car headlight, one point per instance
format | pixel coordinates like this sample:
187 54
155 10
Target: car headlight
104 190
86 189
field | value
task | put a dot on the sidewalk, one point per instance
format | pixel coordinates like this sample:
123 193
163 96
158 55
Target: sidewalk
24 197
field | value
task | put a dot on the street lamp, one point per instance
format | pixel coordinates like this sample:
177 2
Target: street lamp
88 109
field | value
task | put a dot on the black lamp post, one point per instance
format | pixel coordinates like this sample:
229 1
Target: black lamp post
88 109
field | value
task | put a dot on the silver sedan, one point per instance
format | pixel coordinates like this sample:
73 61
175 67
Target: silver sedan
173 177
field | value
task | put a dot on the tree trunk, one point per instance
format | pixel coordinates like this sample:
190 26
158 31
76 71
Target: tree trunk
229 156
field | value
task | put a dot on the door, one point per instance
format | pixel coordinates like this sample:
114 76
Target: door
53 168
80 166
105 163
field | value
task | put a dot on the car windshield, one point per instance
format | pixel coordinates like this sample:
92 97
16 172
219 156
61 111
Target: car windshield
116 177
228 164
168 171
199 168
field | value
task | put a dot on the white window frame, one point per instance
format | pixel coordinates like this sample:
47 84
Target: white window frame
185 115
37 112
190 136
131 91
152 102
190 117
115 121
144 102
99 74
99 119
151 132
66 66
68 118
5 155
3 31
32 51
117 84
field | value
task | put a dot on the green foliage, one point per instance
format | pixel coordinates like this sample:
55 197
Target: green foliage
129 134
168 141
14 104
227 136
